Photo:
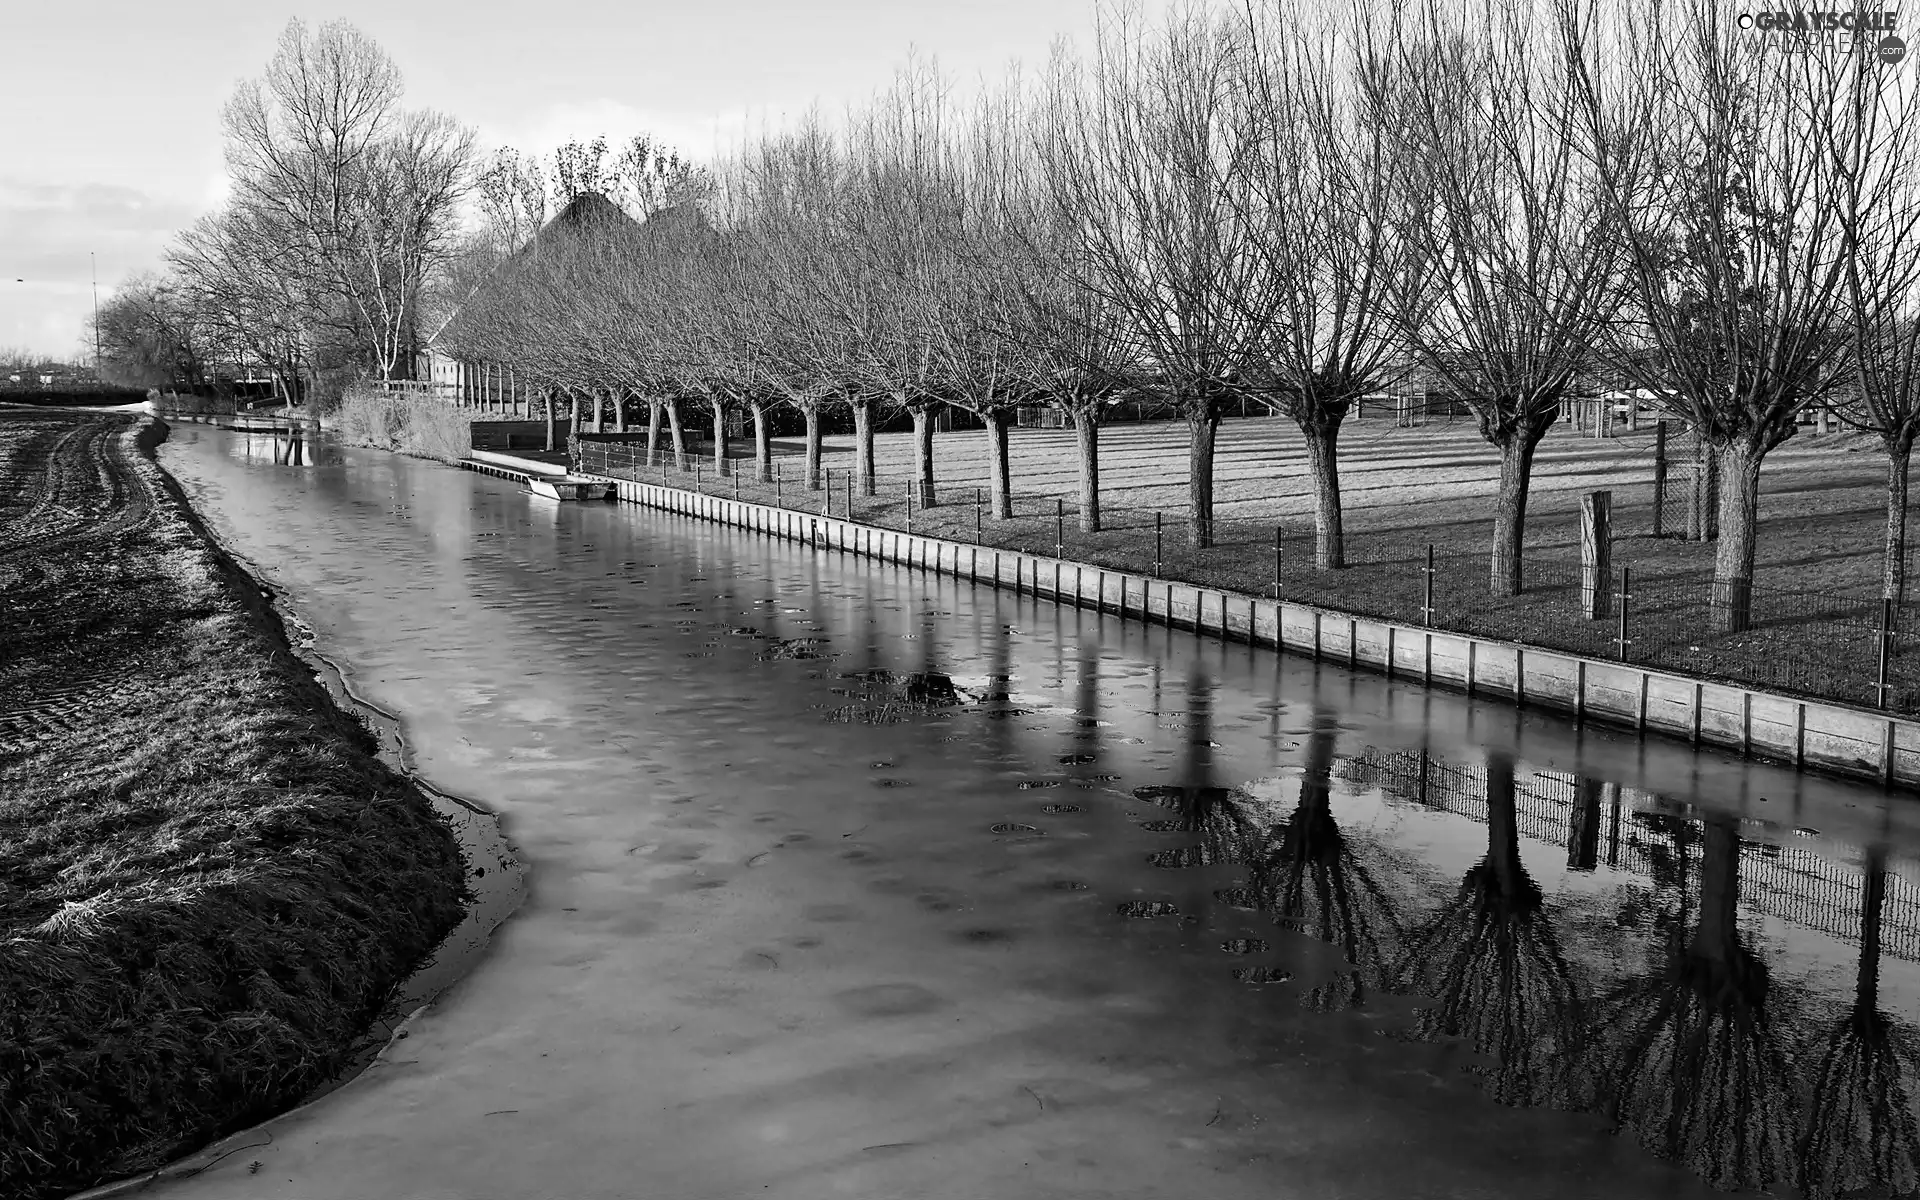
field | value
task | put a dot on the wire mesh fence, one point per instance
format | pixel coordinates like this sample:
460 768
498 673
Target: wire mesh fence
1827 646
1622 828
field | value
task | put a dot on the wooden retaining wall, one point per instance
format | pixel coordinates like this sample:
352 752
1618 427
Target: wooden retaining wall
1855 742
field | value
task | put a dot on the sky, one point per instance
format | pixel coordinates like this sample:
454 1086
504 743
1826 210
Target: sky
110 111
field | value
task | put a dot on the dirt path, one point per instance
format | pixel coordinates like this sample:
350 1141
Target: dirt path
68 486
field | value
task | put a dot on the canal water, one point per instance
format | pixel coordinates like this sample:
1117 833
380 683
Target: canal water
846 880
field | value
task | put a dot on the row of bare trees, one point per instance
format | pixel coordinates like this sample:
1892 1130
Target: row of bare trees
1506 198
343 211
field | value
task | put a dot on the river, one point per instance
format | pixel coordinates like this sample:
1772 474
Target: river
846 880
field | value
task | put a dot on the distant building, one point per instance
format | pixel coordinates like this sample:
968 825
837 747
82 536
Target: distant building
492 385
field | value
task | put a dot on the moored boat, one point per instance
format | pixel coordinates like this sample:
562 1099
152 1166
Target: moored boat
570 487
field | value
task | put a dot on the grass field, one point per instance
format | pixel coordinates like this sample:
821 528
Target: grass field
1821 513
212 884
1405 489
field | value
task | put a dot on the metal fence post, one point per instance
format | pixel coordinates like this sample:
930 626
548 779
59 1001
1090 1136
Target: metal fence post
1620 638
849 495
979 532
779 494
1426 608
1276 562
696 477
1059 527
909 508
1659 478
1886 650
736 486
1157 531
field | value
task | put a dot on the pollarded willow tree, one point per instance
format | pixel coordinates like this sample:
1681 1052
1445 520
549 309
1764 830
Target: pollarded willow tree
787 189
1326 172
1141 149
1077 352
1736 255
984 352
885 263
1877 147
1515 270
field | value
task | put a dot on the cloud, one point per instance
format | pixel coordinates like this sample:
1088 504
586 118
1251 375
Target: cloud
52 235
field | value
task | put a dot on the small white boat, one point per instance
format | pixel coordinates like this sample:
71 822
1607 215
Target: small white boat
570 487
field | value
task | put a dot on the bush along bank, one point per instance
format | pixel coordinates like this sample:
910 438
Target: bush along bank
403 422
213 885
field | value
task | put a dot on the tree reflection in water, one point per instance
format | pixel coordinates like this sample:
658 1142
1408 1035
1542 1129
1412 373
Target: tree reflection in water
1861 1131
1223 817
1688 1054
1695 1056
1302 871
1493 965
1311 880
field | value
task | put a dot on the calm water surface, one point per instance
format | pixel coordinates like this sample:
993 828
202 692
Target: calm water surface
1490 954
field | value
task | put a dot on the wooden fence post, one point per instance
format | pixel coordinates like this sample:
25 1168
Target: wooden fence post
1596 555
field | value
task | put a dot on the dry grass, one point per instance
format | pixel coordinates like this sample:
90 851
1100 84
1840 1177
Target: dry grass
212 883
403 423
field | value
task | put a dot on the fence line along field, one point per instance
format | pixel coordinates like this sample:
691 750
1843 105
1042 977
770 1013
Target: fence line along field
1419 525
1822 498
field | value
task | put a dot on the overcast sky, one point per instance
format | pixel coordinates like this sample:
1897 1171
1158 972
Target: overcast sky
109 112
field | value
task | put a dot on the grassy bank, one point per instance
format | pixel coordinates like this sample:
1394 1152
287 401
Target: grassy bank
212 882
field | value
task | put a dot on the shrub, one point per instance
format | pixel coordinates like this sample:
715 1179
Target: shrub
404 423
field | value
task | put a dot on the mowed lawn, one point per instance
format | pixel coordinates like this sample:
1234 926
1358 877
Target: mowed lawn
1822 507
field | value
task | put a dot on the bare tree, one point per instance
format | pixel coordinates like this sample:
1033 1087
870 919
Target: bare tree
1140 147
791 187
371 190
1736 256
1324 166
1877 146
1515 253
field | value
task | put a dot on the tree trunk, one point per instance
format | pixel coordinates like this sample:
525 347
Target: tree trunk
573 415
1503 834
1716 936
762 443
1733 554
1329 528
679 435
999 475
863 445
1893 574
719 435
1510 513
1086 437
1202 428
599 410
924 496
619 398
813 448
653 430
1873 897
552 430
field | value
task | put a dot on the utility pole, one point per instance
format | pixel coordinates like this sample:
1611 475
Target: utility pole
95 264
